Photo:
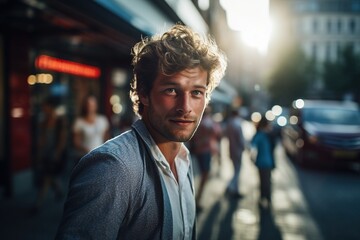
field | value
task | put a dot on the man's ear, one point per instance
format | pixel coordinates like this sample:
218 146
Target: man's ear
144 99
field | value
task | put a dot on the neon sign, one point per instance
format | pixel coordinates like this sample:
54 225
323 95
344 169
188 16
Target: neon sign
60 65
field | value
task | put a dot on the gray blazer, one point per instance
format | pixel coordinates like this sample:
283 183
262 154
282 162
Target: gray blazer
116 192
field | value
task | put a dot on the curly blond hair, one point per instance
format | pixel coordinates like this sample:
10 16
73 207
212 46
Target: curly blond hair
177 49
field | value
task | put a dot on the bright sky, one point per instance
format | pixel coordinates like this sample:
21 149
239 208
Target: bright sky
251 19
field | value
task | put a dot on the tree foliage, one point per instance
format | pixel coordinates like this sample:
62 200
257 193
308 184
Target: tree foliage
343 76
290 79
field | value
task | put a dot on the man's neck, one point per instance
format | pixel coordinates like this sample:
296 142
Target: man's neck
169 150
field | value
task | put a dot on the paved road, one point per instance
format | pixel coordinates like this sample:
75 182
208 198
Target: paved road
333 198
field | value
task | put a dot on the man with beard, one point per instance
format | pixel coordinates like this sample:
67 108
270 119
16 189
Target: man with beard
139 185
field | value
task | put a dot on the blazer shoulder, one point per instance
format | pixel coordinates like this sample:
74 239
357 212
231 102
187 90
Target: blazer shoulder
120 154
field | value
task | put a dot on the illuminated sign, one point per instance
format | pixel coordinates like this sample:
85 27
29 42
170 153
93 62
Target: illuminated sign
65 66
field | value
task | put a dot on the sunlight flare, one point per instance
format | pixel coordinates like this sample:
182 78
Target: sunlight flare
251 19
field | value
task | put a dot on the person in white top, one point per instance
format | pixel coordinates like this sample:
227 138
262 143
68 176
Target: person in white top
91 129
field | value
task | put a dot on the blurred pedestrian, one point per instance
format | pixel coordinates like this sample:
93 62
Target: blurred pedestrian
139 185
51 152
236 147
262 148
90 129
204 145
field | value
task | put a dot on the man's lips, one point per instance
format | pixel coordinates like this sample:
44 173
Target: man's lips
182 122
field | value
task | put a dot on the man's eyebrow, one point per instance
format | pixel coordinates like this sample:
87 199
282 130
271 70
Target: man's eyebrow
172 83
200 86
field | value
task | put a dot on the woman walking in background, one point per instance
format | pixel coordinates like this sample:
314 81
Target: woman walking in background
90 129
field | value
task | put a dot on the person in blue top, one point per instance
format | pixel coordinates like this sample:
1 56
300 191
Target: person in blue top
263 145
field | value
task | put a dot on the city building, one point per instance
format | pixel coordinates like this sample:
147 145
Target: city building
322 29
325 27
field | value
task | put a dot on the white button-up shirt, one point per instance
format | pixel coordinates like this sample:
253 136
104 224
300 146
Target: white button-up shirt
180 192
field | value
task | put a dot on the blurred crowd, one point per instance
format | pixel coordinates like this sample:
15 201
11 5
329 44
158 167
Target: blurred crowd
52 155
205 148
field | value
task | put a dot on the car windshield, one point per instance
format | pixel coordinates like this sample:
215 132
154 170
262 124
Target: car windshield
332 116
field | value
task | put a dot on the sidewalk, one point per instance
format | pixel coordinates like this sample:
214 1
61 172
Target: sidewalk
224 217
18 222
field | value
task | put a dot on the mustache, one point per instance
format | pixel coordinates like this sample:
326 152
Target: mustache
184 118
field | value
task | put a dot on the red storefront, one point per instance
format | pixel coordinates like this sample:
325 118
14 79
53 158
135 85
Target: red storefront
33 74
68 49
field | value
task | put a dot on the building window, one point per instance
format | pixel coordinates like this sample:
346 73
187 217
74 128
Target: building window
328 52
352 26
314 51
315 26
328 26
305 25
338 50
339 26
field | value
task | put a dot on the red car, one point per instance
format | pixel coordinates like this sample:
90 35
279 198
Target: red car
323 132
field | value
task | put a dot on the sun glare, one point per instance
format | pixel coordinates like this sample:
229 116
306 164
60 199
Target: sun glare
251 19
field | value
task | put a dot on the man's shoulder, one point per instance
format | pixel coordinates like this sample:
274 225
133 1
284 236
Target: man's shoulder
120 154
125 147
126 142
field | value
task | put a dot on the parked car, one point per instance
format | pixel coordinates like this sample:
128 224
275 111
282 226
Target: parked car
323 132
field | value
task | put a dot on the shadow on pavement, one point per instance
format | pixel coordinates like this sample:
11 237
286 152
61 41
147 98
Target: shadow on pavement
218 224
267 227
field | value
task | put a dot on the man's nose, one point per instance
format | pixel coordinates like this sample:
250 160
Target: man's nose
184 104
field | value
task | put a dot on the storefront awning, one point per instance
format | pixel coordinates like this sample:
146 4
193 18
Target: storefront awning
149 18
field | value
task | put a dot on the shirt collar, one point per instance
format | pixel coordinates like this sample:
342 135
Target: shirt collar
183 154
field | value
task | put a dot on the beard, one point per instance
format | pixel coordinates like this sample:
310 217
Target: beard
169 128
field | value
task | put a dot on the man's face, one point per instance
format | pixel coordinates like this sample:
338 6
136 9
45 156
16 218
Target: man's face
174 107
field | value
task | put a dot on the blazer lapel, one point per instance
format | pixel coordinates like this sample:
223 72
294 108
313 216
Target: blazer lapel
167 225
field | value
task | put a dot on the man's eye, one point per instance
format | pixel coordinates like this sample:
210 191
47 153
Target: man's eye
170 91
197 93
